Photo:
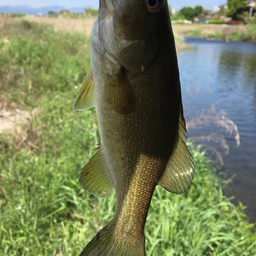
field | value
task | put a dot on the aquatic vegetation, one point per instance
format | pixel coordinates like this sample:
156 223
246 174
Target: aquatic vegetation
214 117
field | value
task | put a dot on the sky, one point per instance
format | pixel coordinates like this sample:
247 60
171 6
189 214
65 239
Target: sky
177 5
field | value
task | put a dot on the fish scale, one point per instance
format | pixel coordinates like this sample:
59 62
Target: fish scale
134 85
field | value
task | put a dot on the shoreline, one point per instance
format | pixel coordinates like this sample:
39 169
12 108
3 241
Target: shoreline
240 33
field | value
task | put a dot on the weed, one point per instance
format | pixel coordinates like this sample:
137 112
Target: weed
193 33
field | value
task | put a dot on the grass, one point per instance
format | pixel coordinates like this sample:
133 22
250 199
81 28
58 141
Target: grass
83 25
44 211
247 35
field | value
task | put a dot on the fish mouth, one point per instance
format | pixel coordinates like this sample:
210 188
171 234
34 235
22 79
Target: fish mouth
114 37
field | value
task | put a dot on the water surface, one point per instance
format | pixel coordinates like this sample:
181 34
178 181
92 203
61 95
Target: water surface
225 73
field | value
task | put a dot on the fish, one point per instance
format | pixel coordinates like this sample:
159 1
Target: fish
134 85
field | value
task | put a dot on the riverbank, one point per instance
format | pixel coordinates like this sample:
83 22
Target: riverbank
224 32
44 211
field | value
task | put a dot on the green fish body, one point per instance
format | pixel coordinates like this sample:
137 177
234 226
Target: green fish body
134 85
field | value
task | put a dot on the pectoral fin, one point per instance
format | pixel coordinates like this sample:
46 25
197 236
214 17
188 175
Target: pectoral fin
180 170
85 97
94 177
119 95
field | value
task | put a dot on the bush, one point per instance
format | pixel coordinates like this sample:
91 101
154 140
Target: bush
193 33
252 21
235 36
217 22
26 24
250 35
177 16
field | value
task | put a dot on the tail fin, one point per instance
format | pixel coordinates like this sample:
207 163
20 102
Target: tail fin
105 244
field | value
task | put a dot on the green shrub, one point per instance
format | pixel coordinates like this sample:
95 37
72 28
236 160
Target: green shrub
91 12
217 22
218 35
250 35
235 36
252 21
26 24
193 33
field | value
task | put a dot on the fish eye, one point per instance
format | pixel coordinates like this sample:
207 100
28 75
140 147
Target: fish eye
153 5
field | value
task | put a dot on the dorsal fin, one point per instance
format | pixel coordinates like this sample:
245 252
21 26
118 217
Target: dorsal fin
180 170
94 177
85 97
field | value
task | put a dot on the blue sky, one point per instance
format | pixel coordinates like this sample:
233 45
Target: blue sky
210 4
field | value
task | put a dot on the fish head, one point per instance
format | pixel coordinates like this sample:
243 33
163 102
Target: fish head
131 30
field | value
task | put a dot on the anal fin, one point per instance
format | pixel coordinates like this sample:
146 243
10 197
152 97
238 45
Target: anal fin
94 177
180 170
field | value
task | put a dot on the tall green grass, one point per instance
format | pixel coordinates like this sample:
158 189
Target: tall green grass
43 209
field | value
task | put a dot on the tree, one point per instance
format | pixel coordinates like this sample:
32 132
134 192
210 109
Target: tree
178 16
222 11
188 13
198 9
89 11
64 12
52 14
235 8
244 16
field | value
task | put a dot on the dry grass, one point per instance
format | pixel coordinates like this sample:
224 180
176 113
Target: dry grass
85 25
21 129
81 25
67 24
10 119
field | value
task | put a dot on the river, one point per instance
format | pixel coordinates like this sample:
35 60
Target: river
224 74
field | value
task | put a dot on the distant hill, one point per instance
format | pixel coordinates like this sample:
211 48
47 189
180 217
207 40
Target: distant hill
30 10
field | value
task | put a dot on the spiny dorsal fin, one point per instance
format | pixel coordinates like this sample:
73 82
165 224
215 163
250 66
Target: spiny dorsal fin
119 94
85 97
180 170
94 177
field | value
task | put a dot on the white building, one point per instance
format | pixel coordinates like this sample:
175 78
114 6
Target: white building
251 8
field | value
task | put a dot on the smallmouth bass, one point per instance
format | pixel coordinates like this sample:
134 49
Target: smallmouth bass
134 85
